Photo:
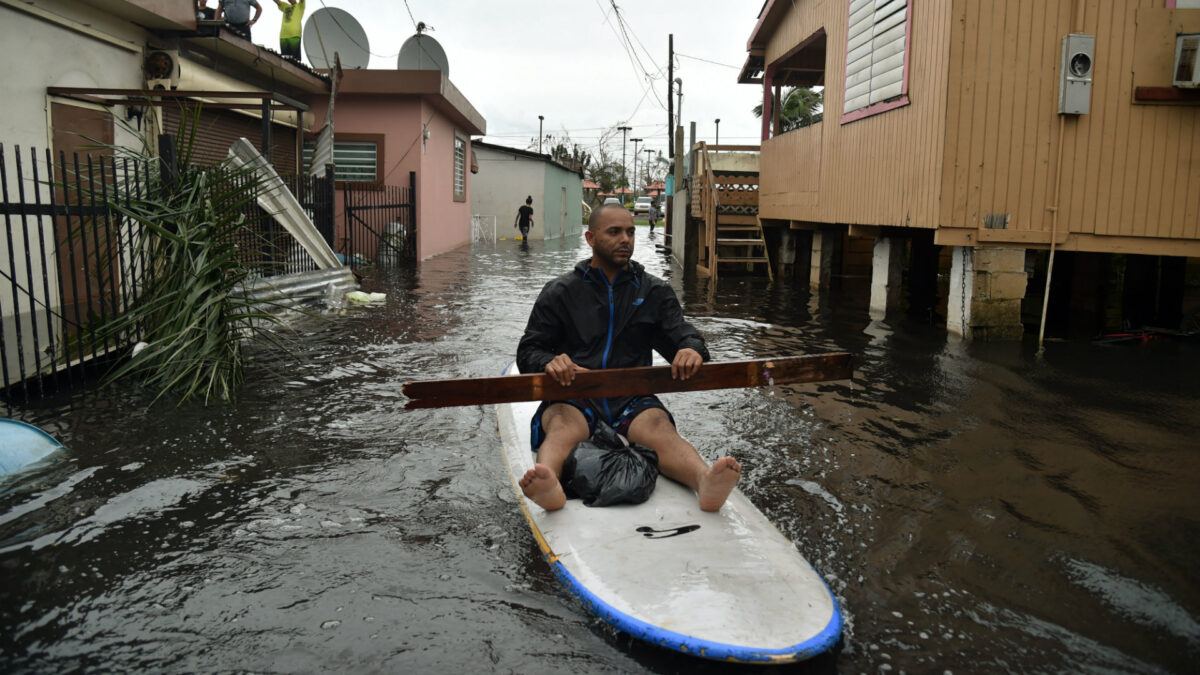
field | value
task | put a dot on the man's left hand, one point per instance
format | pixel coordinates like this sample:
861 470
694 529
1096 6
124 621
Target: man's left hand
686 363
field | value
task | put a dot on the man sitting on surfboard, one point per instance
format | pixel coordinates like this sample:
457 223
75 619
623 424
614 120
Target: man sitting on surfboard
609 313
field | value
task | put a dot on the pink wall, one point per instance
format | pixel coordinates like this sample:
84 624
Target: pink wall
442 223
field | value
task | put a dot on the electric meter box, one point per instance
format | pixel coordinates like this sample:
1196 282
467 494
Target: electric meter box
1075 74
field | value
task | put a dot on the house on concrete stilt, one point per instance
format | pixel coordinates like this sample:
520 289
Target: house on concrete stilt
971 152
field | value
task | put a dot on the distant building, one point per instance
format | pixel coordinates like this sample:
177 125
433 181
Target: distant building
389 123
508 175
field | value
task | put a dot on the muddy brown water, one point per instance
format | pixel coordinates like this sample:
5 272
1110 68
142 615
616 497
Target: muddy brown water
973 507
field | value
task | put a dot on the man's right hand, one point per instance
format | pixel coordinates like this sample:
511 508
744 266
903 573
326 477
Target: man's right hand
562 369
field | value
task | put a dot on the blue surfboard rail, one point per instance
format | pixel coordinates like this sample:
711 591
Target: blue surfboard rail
824 641
22 444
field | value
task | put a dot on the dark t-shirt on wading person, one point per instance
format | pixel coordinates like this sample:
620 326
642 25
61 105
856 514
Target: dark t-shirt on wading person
524 215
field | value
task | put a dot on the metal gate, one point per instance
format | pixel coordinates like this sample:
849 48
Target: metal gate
380 225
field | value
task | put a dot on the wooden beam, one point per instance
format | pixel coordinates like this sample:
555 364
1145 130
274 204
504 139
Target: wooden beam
627 381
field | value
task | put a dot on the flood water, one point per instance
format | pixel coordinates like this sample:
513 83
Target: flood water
974 508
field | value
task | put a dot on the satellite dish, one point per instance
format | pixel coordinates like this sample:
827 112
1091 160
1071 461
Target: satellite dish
421 52
331 30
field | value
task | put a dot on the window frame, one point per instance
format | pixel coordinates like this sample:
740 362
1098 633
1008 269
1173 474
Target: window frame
377 139
898 101
458 167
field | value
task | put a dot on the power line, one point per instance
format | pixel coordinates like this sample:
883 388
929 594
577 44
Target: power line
715 63
410 15
627 30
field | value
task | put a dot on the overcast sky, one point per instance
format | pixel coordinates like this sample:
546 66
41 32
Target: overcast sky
569 61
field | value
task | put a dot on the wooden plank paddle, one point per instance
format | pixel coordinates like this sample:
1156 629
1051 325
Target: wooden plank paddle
627 381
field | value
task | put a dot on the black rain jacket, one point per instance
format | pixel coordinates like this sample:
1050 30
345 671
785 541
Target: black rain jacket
606 326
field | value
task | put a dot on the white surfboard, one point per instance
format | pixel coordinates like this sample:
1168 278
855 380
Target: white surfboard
726 585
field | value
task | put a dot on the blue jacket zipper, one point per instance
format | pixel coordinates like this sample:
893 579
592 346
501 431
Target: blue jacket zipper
608 344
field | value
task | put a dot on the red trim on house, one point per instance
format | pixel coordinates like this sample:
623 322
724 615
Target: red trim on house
768 110
902 99
875 109
762 16
1165 94
769 76
1170 4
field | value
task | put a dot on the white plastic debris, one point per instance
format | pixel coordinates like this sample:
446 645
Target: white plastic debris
361 298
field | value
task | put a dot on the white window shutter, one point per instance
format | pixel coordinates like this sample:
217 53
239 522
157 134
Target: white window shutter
875 52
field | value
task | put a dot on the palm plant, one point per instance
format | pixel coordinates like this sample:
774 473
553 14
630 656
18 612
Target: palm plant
800 107
185 224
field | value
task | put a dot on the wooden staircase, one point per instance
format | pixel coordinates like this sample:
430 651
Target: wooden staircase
726 206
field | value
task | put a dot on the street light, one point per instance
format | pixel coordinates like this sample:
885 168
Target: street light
635 156
679 107
540 118
624 177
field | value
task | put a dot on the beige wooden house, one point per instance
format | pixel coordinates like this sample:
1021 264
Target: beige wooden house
944 117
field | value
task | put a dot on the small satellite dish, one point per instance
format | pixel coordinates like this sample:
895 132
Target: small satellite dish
421 52
331 30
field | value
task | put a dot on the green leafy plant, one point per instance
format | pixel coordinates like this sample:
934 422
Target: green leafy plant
188 227
801 107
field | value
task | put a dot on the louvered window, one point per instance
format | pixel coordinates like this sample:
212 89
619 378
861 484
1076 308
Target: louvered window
460 169
353 160
876 50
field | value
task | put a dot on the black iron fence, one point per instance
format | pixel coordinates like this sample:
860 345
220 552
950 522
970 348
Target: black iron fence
380 224
69 261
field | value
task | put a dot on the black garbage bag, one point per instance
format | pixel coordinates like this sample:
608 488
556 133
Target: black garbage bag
607 469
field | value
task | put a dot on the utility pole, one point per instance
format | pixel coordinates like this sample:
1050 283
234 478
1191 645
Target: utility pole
624 177
635 156
649 152
540 118
670 96
718 123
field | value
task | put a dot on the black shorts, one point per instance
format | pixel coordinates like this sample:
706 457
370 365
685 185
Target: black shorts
594 409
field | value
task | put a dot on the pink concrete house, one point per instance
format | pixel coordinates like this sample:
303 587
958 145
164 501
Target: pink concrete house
392 122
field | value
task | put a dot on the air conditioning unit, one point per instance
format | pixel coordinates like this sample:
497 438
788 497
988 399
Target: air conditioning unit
1075 74
162 69
1187 61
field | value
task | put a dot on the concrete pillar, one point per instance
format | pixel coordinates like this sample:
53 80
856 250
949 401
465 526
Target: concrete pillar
787 247
821 265
887 262
986 289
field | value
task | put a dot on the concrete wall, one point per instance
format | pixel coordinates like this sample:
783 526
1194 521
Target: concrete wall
90 49
501 186
442 223
562 209
734 161
63 44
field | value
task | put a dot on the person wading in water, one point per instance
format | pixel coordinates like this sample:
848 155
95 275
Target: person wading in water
524 219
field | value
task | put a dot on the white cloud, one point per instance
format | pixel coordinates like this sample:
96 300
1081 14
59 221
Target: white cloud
566 60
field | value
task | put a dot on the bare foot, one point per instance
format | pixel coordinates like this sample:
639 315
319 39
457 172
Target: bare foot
718 482
542 486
